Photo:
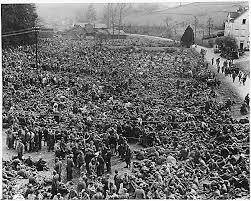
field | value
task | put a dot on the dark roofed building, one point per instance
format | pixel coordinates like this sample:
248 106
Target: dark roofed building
93 25
116 34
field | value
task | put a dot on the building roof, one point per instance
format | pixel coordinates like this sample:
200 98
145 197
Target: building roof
235 15
102 32
116 32
95 25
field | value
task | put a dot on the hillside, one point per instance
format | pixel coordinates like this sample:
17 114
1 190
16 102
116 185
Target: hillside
183 15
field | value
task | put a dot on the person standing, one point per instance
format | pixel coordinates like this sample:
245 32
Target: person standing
247 99
26 140
58 167
218 68
234 76
51 141
20 149
240 76
218 62
8 139
80 159
46 134
139 193
117 180
100 166
36 140
244 78
54 186
128 156
40 136
69 167
212 61
223 67
108 157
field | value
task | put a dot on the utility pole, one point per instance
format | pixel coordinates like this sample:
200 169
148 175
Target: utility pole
202 36
196 21
108 9
36 34
210 25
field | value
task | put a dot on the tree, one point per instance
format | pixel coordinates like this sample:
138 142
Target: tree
227 44
121 10
187 38
209 25
91 14
114 17
16 17
196 22
169 29
167 21
107 14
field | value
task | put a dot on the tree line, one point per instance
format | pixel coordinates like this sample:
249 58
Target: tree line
16 17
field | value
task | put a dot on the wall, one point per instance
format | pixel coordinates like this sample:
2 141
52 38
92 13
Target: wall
238 30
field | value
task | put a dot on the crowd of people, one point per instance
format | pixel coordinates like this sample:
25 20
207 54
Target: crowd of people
85 104
232 70
140 41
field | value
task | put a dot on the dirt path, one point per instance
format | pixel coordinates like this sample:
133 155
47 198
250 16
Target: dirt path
241 90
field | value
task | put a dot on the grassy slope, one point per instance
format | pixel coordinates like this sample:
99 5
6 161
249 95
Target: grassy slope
216 10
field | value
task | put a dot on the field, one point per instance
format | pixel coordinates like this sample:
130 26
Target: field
180 17
217 10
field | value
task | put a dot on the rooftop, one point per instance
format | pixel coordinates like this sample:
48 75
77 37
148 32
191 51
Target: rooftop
234 15
95 25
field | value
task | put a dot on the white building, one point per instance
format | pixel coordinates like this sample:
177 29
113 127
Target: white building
237 26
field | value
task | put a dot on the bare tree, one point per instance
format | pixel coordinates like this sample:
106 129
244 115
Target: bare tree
91 13
121 7
107 14
196 22
113 14
167 21
209 25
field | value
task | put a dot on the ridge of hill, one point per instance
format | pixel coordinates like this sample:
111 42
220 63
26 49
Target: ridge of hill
183 15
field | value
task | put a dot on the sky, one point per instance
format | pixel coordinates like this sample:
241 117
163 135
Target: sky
58 11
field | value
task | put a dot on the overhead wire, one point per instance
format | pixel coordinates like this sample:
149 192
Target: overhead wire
15 34
16 31
6 34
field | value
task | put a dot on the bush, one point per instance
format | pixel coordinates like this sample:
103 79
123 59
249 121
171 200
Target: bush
226 44
188 37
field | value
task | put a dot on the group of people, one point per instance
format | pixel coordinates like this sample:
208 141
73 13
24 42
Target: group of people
228 68
140 41
85 104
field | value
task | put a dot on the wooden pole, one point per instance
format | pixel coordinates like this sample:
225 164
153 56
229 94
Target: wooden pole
36 30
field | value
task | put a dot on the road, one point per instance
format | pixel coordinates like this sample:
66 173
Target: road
151 37
241 90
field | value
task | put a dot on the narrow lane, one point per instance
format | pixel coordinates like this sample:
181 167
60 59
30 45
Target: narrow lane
241 90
